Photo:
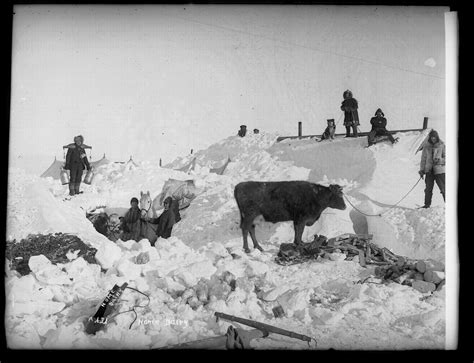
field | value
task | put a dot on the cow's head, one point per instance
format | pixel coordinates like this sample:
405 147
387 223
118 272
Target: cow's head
336 199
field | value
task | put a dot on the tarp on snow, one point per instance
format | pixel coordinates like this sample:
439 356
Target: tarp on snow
97 163
182 190
54 169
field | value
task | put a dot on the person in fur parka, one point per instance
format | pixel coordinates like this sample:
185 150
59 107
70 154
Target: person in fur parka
379 128
76 162
351 116
432 166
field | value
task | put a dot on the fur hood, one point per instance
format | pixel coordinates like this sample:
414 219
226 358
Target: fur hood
347 94
435 134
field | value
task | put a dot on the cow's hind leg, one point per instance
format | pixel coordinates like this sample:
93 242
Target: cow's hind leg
245 233
299 228
254 238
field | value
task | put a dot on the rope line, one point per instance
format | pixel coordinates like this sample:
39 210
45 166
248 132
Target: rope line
393 206
133 308
310 48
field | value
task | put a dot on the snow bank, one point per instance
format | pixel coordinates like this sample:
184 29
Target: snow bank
418 234
233 147
396 172
32 208
340 159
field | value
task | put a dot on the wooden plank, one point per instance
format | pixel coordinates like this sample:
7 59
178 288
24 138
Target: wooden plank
365 133
362 258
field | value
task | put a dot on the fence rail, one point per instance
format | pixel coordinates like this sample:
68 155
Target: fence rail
365 133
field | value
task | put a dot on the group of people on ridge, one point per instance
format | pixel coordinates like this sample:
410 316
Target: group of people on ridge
433 157
351 120
243 131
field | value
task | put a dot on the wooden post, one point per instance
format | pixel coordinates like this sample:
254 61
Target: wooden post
300 129
425 123
160 162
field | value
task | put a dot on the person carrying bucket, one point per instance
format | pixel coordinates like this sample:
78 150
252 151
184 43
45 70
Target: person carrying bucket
76 162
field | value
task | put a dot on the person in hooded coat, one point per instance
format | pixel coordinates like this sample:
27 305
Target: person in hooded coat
243 131
432 166
76 162
166 220
351 116
379 124
131 223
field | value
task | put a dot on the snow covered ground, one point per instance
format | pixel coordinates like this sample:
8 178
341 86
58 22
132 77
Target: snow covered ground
322 299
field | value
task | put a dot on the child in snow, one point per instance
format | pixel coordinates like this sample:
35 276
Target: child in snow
76 162
330 131
379 124
131 223
165 221
433 160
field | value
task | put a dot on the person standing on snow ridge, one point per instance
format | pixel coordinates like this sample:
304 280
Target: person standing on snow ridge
351 116
379 124
76 162
131 223
165 221
243 131
433 160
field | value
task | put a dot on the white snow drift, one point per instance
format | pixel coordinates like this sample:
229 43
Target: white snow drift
46 308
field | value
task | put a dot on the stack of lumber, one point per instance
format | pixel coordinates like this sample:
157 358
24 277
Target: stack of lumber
423 275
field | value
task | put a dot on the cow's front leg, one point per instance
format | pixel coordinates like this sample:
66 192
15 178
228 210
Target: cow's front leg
254 238
299 228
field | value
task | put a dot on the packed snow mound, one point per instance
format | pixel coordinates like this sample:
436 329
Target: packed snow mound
345 159
323 299
419 234
233 147
33 209
396 172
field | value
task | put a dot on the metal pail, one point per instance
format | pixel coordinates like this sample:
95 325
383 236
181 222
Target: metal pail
89 176
64 177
